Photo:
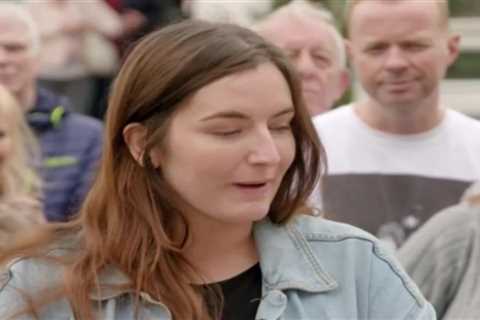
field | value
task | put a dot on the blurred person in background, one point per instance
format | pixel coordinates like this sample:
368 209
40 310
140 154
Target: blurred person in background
138 17
20 205
197 212
398 156
243 13
70 142
443 258
66 29
310 38
156 13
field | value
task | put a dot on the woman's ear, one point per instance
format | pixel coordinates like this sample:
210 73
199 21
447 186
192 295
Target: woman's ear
134 135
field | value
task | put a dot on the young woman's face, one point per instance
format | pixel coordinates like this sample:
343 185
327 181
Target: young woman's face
229 146
5 138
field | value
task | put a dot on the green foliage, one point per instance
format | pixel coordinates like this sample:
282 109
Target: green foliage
279 3
467 66
466 8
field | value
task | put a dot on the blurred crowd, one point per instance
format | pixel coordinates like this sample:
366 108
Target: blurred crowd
401 165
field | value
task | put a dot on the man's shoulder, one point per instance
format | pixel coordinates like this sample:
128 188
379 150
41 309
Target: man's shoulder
335 125
340 113
82 122
463 129
457 221
76 132
467 122
58 118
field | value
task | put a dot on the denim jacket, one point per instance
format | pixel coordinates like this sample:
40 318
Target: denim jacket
312 268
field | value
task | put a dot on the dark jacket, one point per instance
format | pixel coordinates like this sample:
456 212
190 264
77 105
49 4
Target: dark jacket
71 147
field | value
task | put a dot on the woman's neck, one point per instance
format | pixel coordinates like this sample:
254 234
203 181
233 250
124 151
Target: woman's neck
221 251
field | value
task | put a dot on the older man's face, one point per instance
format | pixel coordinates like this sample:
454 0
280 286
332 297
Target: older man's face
312 48
17 60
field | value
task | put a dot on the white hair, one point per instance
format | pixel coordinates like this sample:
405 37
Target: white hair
17 10
302 9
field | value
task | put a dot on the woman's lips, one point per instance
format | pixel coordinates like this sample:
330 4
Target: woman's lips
253 189
251 185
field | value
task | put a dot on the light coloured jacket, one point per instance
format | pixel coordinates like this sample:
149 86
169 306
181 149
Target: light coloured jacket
312 268
443 257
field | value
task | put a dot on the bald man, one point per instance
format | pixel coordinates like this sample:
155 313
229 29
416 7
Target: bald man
400 155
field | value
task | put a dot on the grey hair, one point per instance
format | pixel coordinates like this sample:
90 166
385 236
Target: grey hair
303 9
18 11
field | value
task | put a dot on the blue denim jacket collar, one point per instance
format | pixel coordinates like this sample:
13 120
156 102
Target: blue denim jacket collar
112 283
294 259
286 260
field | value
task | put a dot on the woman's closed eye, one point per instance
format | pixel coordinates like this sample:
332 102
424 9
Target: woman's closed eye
281 127
227 132
224 128
282 123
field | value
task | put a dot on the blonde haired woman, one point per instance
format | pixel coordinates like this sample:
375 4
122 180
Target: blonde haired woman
443 258
19 185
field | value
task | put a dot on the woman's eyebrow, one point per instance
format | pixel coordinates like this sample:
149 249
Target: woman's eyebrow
225 114
238 115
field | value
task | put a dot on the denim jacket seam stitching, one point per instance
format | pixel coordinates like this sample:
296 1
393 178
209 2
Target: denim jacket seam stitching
302 244
296 285
369 285
313 236
413 292
414 309
376 251
4 282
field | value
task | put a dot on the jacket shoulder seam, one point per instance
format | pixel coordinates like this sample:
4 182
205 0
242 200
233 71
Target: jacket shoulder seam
379 253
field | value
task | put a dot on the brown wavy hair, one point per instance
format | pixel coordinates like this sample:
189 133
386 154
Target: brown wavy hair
131 218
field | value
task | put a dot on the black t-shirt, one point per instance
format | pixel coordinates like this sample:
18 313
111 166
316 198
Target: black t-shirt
241 294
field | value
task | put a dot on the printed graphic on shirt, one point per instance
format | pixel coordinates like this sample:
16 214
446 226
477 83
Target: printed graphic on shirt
388 206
